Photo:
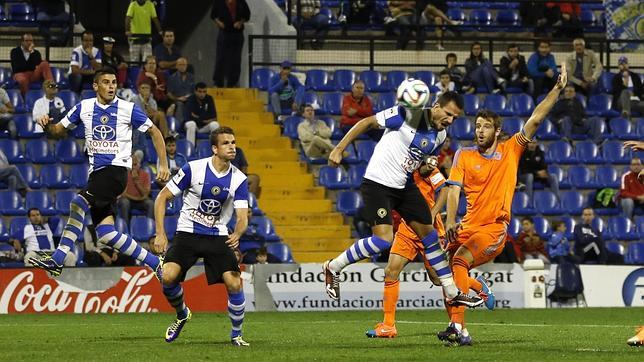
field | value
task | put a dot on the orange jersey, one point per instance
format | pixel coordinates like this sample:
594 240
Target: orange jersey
488 181
428 187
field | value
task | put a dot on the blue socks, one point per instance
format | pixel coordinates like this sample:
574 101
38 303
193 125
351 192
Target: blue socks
126 245
73 229
174 295
236 305
435 255
361 249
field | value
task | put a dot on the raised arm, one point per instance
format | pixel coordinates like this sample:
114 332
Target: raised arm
56 130
543 108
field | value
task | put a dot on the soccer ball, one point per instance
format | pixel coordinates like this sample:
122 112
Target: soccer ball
413 93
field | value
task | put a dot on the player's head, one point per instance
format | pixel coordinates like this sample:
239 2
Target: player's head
569 92
448 106
222 141
451 59
527 224
636 165
513 50
445 78
34 216
168 37
105 84
559 226
487 128
357 89
544 47
87 39
587 215
579 45
170 145
201 90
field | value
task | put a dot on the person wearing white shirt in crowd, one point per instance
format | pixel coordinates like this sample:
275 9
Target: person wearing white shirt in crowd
38 239
444 84
49 105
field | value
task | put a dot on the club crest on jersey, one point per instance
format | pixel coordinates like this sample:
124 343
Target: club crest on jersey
104 119
424 143
382 212
215 190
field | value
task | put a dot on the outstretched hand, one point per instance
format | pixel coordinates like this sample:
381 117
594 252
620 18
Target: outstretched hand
562 80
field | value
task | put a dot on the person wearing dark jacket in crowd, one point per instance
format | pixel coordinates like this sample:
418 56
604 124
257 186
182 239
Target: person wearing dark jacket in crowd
229 16
589 245
532 167
515 70
627 90
570 117
480 71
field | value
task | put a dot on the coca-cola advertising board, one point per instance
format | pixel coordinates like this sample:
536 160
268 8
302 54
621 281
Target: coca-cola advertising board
101 290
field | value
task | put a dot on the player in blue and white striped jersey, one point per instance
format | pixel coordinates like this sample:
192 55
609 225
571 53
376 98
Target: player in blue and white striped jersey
212 188
108 123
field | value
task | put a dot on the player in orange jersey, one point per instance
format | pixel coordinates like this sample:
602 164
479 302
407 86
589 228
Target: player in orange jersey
487 172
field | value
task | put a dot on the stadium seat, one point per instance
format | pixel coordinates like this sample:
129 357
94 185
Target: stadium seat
16 99
426 76
334 178
203 149
4 234
313 99
558 172
28 172
253 204
26 126
344 79
509 20
60 77
394 78
38 151
186 148
482 18
587 152
587 18
261 78
87 93
635 254
31 97
332 103
621 128
599 224
496 103
356 174
21 14
11 204
542 227
606 82
456 14
572 202
623 229
640 127
348 202
63 201
170 224
472 104
280 251
521 204
290 126
173 207
521 105
6 77
246 245
336 132
365 149
41 201
68 151
373 81
514 229
69 98
560 152
13 151
547 203
141 228
607 176
17 227
512 125
613 152
386 100
600 105
570 226
78 175
53 177
615 248
581 177
462 129
265 229
319 80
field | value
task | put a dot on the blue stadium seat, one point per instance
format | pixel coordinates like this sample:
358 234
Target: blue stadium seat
481 18
265 229
558 172
462 129
394 78
170 224
13 151
319 80
599 224
332 103
472 104
456 14
78 175
348 202
621 128
572 202
246 245
587 18
38 151
344 79
521 105
581 177
606 82
173 124
60 77
600 105
623 228
587 152
365 149
173 207
313 99
21 14
290 127
281 251
356 174
253 204
547 131
63 201
509 19
28 172
68 151
373 81
542 227
640 127
141 228
4 233
522 205
614 247
25 126
426 76
607 176
17 227
31 97
16 99
547 203
613 152
570 226
496 103
635 253
87 93
6 78
53 177
203 149
260 78
639 223
386 100
186 148
512 125
334 178
560 152
514 229
69 98
11 204
41 201
336 132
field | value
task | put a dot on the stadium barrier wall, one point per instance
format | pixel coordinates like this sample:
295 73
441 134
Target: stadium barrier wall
285 287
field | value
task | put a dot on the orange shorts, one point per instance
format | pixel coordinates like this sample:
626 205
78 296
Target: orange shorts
484 242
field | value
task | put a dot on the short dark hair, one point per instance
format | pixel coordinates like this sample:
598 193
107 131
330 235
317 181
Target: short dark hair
24 35
488 114
556 224
168 30
221 130
512 45
170 139
103 71
87 32
450 55
445 72
588 208
200 85
450 96
527 218
543 41
32 209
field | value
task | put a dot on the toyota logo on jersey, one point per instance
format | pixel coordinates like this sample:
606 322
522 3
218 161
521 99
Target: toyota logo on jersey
210 206
103 132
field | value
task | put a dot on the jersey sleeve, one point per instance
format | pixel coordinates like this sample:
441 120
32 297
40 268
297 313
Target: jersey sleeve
75 58
457 173
181 181
392 117
436 179
140 120
72 117
241 196
28 233
518 143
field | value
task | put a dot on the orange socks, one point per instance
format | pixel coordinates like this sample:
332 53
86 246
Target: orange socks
461 270
475 285
390 299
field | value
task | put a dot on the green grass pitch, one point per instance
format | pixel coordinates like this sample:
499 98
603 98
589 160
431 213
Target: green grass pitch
516 335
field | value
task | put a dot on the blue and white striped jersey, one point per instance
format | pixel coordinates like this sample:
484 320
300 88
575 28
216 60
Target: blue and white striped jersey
108 130
38 237
209 197
81 59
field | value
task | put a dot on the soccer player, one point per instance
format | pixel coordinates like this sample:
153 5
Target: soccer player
108 123
410 135
212 188
488 174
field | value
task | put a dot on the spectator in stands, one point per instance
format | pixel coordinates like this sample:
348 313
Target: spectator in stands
456 74
446 157
532 166
180 86
86 60
114 60
6 115
262 255
509 253
361 12
284 90
138 28
444 83
584 67
589 245
137 192
436 9
38 238
564 18
530 244
11 176
166 52
314 134
242 164
514 70
559 247
27 65
147 103
356 106
480 71
543 69
570 117
156 78
404 13
627 90
52 12
176 160
200 114
49 104
229 16
311 16
631 193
